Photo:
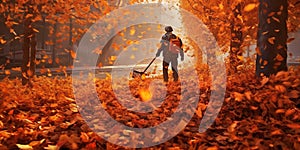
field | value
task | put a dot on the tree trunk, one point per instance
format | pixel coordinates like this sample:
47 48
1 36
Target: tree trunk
272 37
54 45
32 54
43 33
236 39
26 49
70 32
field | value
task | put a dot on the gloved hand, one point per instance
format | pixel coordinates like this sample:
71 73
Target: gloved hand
157 54
182 58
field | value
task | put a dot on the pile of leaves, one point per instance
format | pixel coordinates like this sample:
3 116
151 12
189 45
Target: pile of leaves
256 114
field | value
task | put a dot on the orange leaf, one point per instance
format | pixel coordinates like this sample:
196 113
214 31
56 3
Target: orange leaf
294 94
290 40
238 96
276 132
289 112
272 40
50 61
279 57
276 19
7 72
84 137
29 73
2 41
249 7
28 15
258 51
212 148
73 54
280 111
280 88
293 126
145 94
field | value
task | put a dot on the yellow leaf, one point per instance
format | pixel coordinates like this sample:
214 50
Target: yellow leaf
36 143
231 128
143 77
249 7
145 94
113 58
51 147
35 30
240 58
24 147
132 57
238 96
132 31
221 6
108 76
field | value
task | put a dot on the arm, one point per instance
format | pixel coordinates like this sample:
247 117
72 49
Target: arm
181 50
162 45
159 50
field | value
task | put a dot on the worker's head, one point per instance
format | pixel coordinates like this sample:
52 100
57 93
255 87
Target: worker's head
168 29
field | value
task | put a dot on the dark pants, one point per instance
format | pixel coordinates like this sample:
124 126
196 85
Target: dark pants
174 64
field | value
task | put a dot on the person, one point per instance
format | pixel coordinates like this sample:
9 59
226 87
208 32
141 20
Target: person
169 56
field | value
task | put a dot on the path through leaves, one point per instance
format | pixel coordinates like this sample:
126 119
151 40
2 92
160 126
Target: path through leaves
255 115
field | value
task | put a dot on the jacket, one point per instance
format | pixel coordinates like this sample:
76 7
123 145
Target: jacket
164 46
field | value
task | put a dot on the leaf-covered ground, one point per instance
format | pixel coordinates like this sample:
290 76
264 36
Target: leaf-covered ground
255 114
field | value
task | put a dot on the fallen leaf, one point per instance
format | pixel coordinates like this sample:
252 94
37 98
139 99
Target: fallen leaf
51 147
24 147
293 126
249 7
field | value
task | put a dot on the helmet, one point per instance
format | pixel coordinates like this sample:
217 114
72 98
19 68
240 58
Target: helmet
168 29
